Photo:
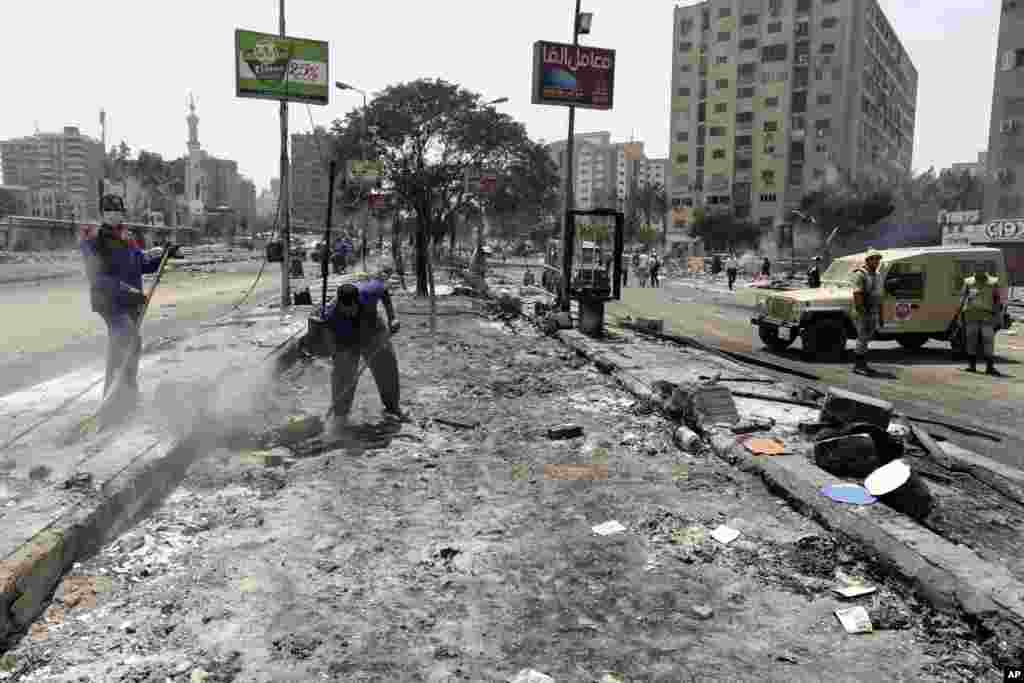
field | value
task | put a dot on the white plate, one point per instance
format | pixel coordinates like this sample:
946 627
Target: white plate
887 478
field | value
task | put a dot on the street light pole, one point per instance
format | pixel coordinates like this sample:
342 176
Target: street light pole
567 231
284 204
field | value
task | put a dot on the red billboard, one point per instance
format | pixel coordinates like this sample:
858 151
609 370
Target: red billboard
573 75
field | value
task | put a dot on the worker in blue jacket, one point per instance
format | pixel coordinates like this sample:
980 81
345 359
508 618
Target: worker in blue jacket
115 266
359 332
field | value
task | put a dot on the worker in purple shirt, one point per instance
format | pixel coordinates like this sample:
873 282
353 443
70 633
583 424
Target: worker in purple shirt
359 332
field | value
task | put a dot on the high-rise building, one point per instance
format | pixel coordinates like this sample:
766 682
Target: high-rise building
1005 182
606 173
771 98
62 171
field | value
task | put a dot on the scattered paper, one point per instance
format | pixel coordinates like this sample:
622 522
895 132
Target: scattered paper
765 446
854 590
725 535
855 619
531 676
609 528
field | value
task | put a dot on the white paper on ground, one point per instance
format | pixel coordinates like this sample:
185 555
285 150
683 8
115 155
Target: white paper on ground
855 619
725 535
854 590
608 528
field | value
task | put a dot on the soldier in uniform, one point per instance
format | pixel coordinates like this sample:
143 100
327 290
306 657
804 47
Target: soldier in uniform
981 311
867 305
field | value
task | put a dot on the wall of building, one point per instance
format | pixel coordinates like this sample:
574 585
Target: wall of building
1004 190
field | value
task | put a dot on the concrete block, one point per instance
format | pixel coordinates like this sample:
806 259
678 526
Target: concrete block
845 407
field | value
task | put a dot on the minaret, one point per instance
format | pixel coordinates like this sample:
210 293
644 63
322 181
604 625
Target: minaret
193 125
194 187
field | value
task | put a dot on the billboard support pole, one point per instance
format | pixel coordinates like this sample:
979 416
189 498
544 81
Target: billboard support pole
567 229
285 205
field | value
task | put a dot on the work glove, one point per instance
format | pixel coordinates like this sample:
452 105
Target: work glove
394 326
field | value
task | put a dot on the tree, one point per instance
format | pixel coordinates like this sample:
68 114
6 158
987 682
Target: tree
527 191
653 203
848 206
722 230
428 133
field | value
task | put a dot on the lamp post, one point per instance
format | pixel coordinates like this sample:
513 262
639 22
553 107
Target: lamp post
366 130
580 24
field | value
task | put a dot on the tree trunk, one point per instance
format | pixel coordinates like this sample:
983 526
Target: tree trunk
422 254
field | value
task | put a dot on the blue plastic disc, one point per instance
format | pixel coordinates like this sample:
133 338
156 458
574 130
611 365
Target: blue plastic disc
854 494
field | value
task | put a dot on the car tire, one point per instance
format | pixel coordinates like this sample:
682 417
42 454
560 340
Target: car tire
769 334
825 339
912 342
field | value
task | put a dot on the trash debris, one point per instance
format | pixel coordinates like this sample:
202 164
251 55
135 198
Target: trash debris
887 478
199 676
702 611
686 439
608 528
712 404
855 619
690 536
595 472
725 535
272 458
847 456
765 446
613 678
889 618
39 473
853 494
649 324
80 480
567 431
531 676
845 407
753 425
853 590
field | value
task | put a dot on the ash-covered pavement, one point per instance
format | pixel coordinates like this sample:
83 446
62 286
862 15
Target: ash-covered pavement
449 548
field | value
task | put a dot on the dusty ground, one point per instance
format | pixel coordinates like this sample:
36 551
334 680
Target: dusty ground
439 553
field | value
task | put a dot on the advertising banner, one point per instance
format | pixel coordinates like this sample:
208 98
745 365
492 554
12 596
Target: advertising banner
365 171
567 75
633 151
269 67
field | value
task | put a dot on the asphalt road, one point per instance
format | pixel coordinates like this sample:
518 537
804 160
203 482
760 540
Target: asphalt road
49 328
926 383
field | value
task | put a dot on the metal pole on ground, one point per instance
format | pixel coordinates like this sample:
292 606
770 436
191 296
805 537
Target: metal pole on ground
286 260
327 235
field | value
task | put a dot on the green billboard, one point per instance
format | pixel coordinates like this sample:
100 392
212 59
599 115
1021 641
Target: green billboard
270 67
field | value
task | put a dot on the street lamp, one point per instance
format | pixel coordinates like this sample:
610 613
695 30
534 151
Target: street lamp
500 100
366 218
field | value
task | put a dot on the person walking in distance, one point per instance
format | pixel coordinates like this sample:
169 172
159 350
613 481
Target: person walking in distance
115 265
981 310
359 333
655 267
732 268
814 274
766 268
867 304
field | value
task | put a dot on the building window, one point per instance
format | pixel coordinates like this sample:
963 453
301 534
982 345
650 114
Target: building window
705 20
749 20
682 158
817 174
701 133
744 118
799 103
796 152
721 60
830 22
724 36
771 126
802 28
744 93
1012 59
821 148
799 123
774 7
700 156
744 140
837 74
748 44
818 74
803 6
744 164
686 68
685 47
716 131
722 83
774 53
770 198
683 92
721 108
771 102
682 136
824 99
685 26
822 127
723 12
718 154
742 212
828 48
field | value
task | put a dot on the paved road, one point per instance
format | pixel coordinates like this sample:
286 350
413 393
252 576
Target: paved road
49 328
927 383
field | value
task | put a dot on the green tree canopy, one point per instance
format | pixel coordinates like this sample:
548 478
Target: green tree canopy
721 230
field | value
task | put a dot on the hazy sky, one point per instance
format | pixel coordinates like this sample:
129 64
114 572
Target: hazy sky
138 60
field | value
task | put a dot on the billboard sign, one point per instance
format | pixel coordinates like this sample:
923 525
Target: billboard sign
1005 231
378 200
573 75
365 171
481 182
269 67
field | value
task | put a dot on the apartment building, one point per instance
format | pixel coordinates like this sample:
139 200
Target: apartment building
1005 184
771 98
62 171
606 173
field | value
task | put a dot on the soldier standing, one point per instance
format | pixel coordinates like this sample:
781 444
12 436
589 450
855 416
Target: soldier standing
867 303
981 311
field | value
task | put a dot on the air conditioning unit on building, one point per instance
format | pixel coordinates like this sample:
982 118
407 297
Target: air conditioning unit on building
801 59
1004 176
1008 126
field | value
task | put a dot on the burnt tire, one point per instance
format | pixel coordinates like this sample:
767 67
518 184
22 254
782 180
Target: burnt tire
912 342
825 339
769 334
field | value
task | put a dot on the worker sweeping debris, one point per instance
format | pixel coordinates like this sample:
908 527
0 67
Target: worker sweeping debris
359 334
115 266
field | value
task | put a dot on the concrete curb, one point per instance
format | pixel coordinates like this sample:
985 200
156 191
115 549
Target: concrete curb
31 574
950 576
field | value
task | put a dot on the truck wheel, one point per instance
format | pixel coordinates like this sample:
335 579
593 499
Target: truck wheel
912 342
769 334
825 339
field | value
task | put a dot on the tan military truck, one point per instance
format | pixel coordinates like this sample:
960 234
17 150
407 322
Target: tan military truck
922 295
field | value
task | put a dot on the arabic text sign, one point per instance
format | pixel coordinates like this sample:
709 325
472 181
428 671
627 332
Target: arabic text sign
270 67
573 75
1009 230
368 171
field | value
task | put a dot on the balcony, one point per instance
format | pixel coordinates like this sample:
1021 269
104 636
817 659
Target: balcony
798 134
744 151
